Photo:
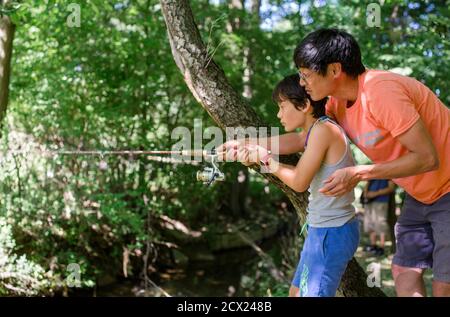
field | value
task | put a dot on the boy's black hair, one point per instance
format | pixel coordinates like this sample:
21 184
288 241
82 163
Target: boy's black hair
289 89
326 46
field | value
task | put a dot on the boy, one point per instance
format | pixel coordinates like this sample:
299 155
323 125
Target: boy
333 232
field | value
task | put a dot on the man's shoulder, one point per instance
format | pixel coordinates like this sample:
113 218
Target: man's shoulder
381 88
382 80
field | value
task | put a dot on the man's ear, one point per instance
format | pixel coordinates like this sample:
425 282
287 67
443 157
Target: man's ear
335 69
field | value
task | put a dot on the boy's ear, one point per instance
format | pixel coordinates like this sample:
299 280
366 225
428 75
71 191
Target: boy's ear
335 69
307 106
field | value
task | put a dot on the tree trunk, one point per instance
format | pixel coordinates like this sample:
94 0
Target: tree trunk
234 22
255 8
7 29
248 56
207 82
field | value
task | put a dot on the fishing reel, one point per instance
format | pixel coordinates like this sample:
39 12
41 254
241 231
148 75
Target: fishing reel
209 175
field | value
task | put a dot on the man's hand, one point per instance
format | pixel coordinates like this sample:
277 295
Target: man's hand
342 181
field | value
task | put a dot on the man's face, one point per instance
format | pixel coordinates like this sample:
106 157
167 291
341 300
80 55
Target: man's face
316 85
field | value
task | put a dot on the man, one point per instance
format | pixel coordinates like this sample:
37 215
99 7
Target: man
404 129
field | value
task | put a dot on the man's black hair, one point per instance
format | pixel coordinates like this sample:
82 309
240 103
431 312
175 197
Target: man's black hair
325 46
289 89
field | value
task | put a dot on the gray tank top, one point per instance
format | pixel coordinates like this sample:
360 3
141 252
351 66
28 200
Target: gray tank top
324 211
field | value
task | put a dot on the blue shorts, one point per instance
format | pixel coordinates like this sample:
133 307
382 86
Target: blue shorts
324 258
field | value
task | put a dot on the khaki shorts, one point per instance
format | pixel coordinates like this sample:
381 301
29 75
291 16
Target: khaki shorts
375 217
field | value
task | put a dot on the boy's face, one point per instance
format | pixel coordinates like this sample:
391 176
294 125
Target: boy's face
317 86
290 117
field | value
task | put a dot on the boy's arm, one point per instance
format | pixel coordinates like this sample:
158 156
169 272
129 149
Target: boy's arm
299 177
288 143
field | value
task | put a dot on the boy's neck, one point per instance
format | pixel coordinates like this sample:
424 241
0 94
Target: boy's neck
309 121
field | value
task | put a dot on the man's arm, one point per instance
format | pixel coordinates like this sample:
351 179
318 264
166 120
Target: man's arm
422 157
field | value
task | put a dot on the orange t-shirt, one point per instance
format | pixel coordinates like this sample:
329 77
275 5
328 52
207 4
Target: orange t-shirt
388 105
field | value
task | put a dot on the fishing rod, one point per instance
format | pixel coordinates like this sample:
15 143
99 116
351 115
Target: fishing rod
208 175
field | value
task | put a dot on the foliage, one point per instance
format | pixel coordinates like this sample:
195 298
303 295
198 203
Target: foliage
18 275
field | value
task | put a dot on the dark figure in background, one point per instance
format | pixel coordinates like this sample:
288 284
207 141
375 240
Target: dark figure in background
376 194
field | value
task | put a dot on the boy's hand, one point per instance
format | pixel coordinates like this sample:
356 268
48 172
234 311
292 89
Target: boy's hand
235 150
243 156
260 155
229 150
247 154
256 153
